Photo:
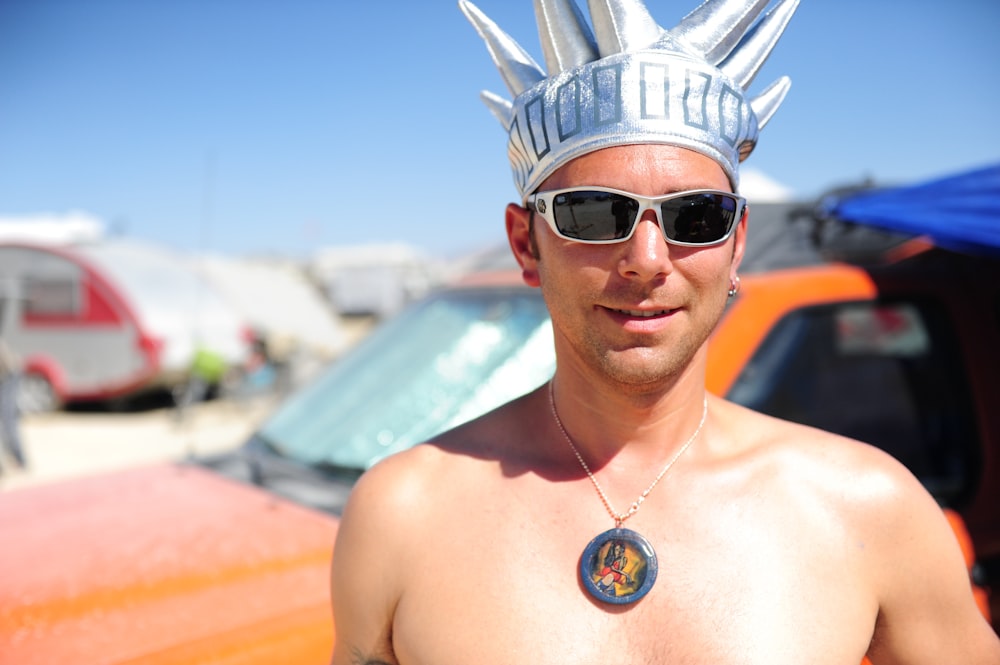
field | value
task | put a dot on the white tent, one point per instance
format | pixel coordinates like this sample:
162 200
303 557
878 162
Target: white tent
279 303
374 279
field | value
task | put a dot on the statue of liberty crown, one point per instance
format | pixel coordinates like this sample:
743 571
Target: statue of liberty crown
630 81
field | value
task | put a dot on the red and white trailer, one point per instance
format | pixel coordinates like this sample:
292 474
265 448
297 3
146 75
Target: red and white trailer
109 319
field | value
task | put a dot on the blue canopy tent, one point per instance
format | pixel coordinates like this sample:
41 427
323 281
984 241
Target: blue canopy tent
959 212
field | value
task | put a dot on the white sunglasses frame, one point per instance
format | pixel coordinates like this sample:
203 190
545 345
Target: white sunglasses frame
541 203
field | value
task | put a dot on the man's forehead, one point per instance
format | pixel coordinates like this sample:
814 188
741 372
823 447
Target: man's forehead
654 168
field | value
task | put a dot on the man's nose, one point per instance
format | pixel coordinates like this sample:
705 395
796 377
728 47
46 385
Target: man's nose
646 254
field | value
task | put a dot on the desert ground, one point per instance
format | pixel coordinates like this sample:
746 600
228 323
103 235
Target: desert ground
84 441
72 443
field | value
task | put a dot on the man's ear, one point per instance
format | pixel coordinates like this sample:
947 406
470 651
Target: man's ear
522 243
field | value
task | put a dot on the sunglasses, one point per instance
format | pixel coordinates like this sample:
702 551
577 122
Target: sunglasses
600 216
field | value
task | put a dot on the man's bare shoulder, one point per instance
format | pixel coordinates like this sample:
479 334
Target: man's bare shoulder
837 491
489 444
849 507
401 507
508 435
806 459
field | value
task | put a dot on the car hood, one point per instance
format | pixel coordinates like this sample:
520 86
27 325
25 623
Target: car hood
164 564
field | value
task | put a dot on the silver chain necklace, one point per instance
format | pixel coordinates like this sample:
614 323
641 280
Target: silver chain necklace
619 566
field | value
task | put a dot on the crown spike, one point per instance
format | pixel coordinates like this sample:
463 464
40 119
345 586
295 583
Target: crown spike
627 81
623 25
567 40
518 69
715 27
766 103
746 60
502 109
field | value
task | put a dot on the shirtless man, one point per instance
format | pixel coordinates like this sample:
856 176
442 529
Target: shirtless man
763 541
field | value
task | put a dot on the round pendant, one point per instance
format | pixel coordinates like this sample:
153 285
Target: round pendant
618 566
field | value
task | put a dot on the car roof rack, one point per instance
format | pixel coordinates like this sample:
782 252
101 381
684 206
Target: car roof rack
801 233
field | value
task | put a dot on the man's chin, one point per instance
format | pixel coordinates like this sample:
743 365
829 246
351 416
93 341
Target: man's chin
643 370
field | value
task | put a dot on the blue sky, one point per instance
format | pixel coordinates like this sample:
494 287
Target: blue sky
250 127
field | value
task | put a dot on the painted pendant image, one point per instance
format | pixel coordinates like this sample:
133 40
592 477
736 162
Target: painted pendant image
618 566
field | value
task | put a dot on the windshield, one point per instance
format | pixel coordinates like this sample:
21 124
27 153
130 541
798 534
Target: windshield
442 362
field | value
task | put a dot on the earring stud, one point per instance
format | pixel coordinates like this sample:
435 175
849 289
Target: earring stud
734 286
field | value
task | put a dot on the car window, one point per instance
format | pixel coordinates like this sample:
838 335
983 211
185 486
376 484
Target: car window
440 363
889 374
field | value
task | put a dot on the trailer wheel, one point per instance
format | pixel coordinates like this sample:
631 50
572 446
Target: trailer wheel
35 394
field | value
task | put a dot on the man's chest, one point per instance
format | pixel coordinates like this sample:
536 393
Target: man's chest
512 593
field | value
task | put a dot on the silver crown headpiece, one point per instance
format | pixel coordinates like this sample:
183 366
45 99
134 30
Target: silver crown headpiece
630 81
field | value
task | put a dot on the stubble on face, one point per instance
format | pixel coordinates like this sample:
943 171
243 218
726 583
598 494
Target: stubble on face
635 363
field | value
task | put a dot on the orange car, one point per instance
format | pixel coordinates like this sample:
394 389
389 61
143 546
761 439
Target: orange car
226 560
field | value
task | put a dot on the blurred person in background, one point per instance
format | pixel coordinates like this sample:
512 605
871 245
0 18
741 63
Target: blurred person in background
10 412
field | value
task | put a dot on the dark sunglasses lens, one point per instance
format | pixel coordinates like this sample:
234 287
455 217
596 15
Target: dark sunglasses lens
699 218
594 215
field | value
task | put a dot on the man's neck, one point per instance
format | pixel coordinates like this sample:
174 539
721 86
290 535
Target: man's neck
604 418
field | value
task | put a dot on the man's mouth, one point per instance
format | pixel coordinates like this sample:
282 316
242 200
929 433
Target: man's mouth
644 314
